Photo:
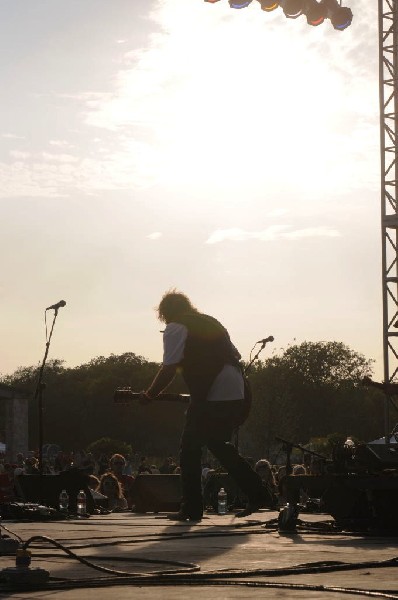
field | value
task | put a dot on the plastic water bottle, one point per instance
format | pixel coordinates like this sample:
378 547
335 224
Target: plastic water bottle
63 501
222 502
81 504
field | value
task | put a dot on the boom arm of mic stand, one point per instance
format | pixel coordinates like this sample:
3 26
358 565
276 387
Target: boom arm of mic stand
247 369
289 444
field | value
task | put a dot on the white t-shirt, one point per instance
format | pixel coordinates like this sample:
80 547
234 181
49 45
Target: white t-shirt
228 384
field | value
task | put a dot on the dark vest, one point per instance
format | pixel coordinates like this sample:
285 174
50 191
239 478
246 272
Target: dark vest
208 349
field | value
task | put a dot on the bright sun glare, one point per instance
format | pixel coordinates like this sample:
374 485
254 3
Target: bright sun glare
214 108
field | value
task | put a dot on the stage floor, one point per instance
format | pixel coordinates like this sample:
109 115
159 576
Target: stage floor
217 543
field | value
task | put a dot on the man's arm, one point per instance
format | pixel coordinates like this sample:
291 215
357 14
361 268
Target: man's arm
163 378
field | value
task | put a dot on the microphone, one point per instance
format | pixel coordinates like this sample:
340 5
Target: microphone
270 338
59 304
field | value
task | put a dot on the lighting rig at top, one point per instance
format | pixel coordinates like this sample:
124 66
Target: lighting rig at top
315 12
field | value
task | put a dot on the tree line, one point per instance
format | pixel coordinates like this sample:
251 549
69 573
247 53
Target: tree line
310 390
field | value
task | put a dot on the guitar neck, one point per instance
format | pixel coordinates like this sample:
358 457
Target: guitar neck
125 395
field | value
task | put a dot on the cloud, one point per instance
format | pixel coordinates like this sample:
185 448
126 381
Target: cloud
311 232
61 144
36 179
12 136
155 235
278 212
61 158
18 154
53 175
272 233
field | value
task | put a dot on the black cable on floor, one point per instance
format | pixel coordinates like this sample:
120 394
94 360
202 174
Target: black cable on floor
220 578
175 574
186 567
164 582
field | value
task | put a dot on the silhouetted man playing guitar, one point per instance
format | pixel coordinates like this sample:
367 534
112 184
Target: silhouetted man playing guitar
201 347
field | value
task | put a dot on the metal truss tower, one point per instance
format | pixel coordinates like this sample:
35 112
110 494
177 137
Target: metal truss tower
388 89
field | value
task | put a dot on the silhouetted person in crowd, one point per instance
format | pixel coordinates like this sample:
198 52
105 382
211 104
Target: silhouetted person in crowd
103 464
31 466
168 466
88 463
111 487
144 466
94 486
299 470
201 347
264 469
59 462
117 465
20 460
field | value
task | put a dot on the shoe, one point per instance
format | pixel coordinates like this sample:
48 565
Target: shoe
184 516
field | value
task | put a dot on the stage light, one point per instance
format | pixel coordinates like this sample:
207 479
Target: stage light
239 3
316 12
268 5
292 8
341 18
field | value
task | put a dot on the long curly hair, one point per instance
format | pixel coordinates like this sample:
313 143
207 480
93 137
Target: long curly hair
172 305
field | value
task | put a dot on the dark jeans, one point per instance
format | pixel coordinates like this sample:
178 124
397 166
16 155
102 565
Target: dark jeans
212 424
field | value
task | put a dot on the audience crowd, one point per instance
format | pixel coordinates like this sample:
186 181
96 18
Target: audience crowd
111 477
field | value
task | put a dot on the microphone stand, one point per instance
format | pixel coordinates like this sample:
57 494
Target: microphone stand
39 398
245 372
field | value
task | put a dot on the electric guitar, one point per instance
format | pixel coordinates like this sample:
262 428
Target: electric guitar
390 388
125 395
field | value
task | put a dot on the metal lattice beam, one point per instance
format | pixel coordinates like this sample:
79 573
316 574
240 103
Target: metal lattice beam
388 86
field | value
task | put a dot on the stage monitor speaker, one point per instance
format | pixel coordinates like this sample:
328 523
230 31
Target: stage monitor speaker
369 507
46 489
156 493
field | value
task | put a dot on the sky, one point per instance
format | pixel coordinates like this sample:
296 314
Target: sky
156 144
